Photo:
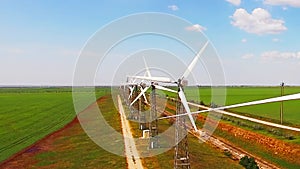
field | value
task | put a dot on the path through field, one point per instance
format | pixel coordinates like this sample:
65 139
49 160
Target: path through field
132 156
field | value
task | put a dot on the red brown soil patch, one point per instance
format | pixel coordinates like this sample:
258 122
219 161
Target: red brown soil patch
288 151
26 157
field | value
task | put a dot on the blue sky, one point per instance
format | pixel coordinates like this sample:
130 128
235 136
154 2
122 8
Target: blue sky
258 41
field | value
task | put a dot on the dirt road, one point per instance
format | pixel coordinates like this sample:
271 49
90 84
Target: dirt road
132 155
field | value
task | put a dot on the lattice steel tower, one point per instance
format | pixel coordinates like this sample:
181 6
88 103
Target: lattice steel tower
181 159
153 121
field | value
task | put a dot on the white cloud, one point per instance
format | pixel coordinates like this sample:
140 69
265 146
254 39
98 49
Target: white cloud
244 40
173 7
280 55
234 2
275 40
196 28
248 56
259 22
293 3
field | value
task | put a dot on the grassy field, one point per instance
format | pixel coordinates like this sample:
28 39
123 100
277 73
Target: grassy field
267 111
29 114
74 148
245 94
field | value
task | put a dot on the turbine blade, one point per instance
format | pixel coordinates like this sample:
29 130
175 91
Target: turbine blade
131 91
142 92
154 79
144 95
165 89
147 68
271 100
186 107
195 60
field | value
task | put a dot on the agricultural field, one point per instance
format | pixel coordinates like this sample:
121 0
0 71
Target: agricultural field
275 145
71 147
29 114
236 95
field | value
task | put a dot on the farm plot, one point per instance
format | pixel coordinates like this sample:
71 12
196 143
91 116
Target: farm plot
71 147
29 114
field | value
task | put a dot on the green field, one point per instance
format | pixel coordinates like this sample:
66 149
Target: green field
269 112
236 95
29 114
74 148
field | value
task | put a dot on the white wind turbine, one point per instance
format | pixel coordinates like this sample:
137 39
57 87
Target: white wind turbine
179 84
219 109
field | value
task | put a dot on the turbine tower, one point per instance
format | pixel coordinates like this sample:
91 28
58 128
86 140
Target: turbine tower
153 124
181 158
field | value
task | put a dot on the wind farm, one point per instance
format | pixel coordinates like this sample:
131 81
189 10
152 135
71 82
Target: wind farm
181 157
154 85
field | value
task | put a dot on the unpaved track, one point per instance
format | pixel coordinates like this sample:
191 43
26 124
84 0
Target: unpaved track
132 156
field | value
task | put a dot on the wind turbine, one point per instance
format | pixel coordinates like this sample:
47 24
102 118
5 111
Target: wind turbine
156 80
181 148
186 104
179 83
132 86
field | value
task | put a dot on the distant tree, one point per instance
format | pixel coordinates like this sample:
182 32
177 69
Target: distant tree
244 161
248 163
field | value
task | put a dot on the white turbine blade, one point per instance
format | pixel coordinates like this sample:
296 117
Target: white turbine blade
132 84
147 68
164 88
271 100
195 60
142 92
276 99
187 108
144 95
154 79
131 91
